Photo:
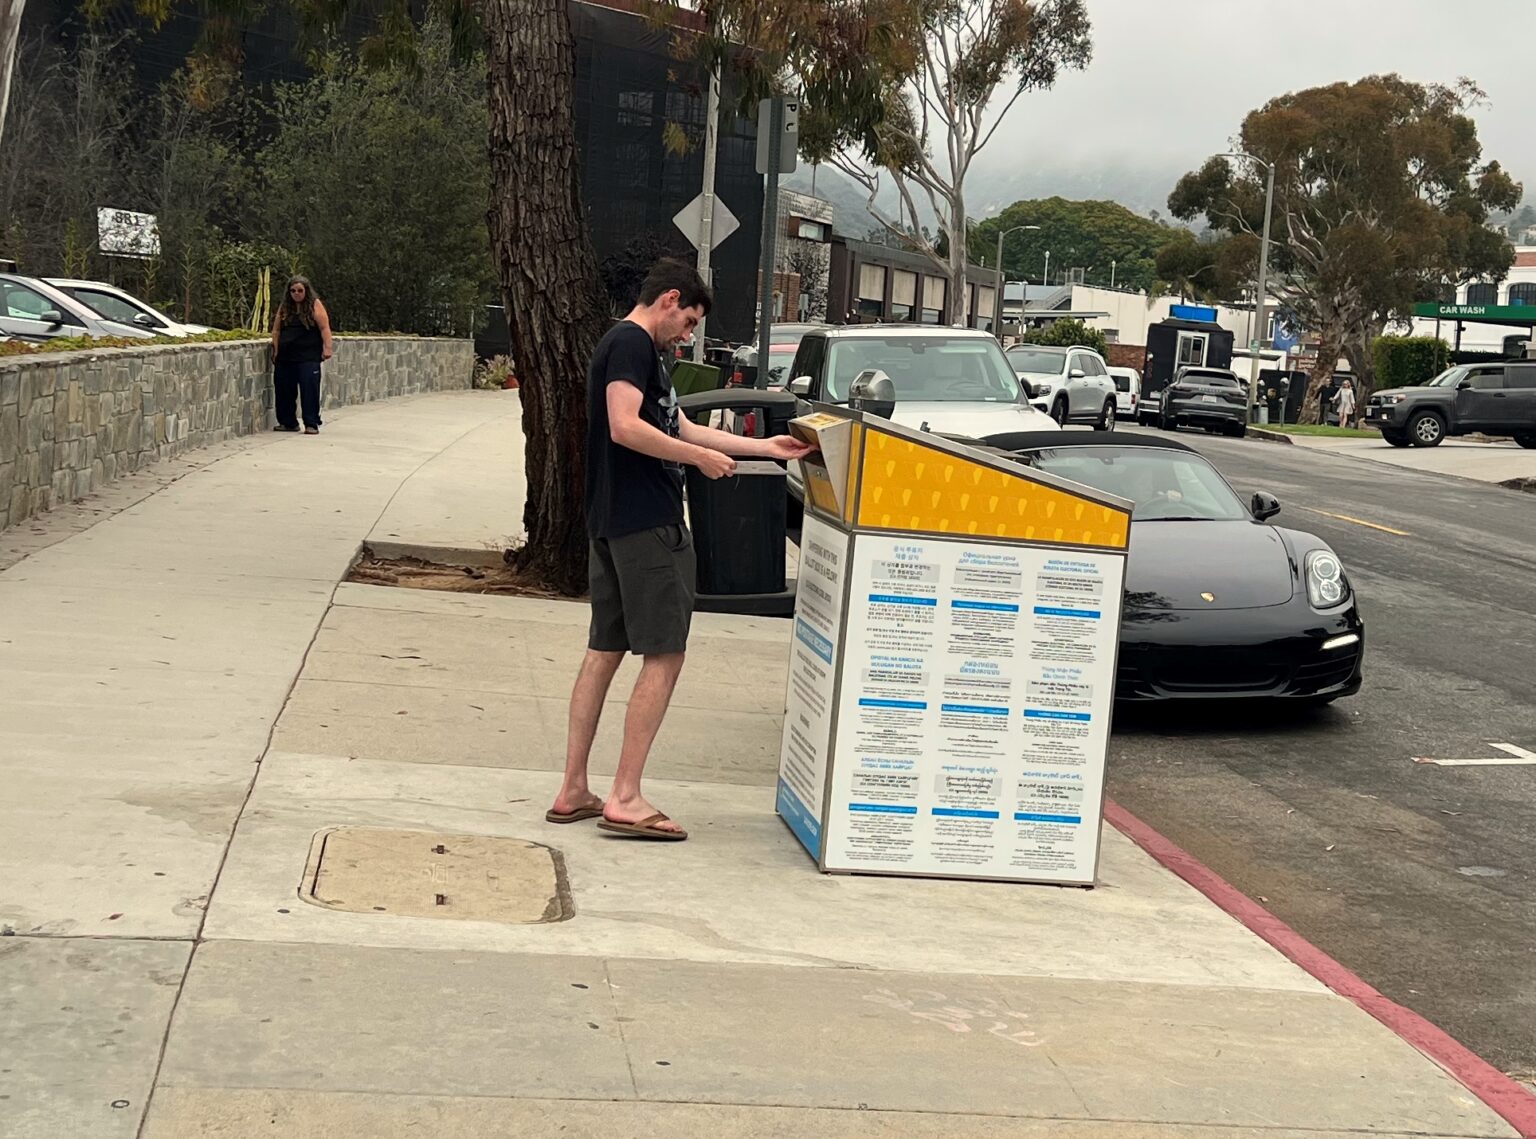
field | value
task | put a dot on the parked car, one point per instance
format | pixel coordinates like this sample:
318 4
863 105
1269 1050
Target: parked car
783 340
1127 383
123 307
1072 385
1498 399
1218 603
34 310
951 381
1212 398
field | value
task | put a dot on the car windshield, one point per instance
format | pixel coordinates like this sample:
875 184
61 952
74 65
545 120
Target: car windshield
1034 360
1448 378
1164 484
943 368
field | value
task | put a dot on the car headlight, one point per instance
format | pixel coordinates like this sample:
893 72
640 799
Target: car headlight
1043 386
1327 586
1390 398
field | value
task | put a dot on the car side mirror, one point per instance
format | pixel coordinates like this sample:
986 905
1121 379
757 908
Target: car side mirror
144 320
1077 373
51 316
1031 389
873 392
801 386
1464 384
1265 506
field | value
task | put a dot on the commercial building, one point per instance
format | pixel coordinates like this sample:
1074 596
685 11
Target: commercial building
872 283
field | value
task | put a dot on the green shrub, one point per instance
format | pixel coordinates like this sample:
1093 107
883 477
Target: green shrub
1405 361
1066 333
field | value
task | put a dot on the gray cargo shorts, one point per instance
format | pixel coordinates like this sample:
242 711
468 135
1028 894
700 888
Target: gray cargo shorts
642 591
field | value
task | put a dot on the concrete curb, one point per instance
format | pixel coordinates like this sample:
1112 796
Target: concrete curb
1269 436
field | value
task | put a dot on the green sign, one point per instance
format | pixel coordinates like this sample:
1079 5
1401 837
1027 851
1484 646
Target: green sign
1517 314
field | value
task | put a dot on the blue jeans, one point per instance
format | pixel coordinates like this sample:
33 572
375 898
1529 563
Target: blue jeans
301 381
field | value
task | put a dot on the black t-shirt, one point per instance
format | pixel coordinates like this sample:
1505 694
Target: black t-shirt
627 491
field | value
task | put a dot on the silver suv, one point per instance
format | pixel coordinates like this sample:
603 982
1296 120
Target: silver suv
1071 385
34 310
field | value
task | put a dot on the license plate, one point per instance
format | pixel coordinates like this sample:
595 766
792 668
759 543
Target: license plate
1209 399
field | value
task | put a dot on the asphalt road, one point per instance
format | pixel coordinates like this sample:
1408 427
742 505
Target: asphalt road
1420 878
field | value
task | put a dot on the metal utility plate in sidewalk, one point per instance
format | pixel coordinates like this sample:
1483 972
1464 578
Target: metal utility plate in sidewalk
426 875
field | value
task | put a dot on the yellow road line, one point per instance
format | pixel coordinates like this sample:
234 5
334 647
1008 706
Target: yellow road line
1359 522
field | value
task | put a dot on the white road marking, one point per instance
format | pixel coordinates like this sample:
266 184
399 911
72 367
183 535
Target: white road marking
1517 757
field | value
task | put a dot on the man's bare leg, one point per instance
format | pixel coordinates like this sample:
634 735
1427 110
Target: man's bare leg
647 706
587 697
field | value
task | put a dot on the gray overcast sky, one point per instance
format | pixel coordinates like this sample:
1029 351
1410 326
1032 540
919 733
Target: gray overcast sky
1172 79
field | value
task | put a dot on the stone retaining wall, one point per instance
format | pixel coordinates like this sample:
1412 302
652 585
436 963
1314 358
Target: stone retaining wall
73 421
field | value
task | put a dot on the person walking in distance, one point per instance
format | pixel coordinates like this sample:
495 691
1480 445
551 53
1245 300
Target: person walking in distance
1344 402
301 342
641 555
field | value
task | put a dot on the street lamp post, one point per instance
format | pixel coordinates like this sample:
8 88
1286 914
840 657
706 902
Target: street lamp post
1112 265
1002 279
1260 286
1046 279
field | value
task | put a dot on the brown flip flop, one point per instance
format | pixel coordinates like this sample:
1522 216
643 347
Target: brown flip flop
580 814
645 829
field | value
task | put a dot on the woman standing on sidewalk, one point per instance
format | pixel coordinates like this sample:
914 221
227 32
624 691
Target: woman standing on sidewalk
301 342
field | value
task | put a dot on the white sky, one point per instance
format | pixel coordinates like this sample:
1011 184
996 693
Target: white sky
1172 79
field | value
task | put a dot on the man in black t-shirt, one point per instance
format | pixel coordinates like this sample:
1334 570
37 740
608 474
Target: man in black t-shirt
641 558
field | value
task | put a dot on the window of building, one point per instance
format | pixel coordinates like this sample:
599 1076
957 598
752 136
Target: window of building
812 230
1482 294
986 314
1522 294
635 108
903 295
933 299
871 291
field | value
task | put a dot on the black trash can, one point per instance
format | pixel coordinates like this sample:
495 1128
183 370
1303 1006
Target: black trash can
738 536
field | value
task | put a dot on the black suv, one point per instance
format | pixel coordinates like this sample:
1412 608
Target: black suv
1497 399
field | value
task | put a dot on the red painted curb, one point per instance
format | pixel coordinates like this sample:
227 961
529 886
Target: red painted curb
1502 1094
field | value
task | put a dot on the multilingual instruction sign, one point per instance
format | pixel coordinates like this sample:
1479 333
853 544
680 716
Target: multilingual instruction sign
950 693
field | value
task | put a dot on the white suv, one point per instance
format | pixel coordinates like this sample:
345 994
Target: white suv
1071 385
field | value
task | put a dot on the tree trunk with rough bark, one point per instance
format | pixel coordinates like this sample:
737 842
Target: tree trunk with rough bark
1328 353
10 37
556 309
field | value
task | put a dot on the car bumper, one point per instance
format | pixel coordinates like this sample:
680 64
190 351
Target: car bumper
1390 418
1287 652
1196 412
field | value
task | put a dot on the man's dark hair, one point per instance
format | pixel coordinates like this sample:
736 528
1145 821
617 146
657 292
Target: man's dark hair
669 274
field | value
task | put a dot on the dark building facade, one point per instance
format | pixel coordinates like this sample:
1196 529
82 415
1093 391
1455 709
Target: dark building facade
869 283
628 89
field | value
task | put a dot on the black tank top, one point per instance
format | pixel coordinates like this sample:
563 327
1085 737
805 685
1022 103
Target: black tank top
297 344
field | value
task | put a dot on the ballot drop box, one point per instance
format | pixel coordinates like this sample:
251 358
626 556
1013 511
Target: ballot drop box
952 666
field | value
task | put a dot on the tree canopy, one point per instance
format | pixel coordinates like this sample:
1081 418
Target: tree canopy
1102 238
1382 199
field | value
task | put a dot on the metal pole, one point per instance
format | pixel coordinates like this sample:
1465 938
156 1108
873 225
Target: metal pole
770 238
1046 280
1112 274
997 297
1261 325
707 214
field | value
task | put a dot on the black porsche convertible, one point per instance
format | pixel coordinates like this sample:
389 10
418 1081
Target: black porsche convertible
1218 602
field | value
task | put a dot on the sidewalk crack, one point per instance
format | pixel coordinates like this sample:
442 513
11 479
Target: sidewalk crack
618 1022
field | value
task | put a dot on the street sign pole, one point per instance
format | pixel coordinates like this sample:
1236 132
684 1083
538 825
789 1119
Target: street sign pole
706 240
770 234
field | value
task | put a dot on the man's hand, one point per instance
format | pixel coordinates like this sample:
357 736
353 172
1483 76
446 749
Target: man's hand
714 465
787 447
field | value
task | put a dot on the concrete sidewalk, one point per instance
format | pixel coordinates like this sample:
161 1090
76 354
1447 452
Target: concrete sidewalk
194 699
1484 462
